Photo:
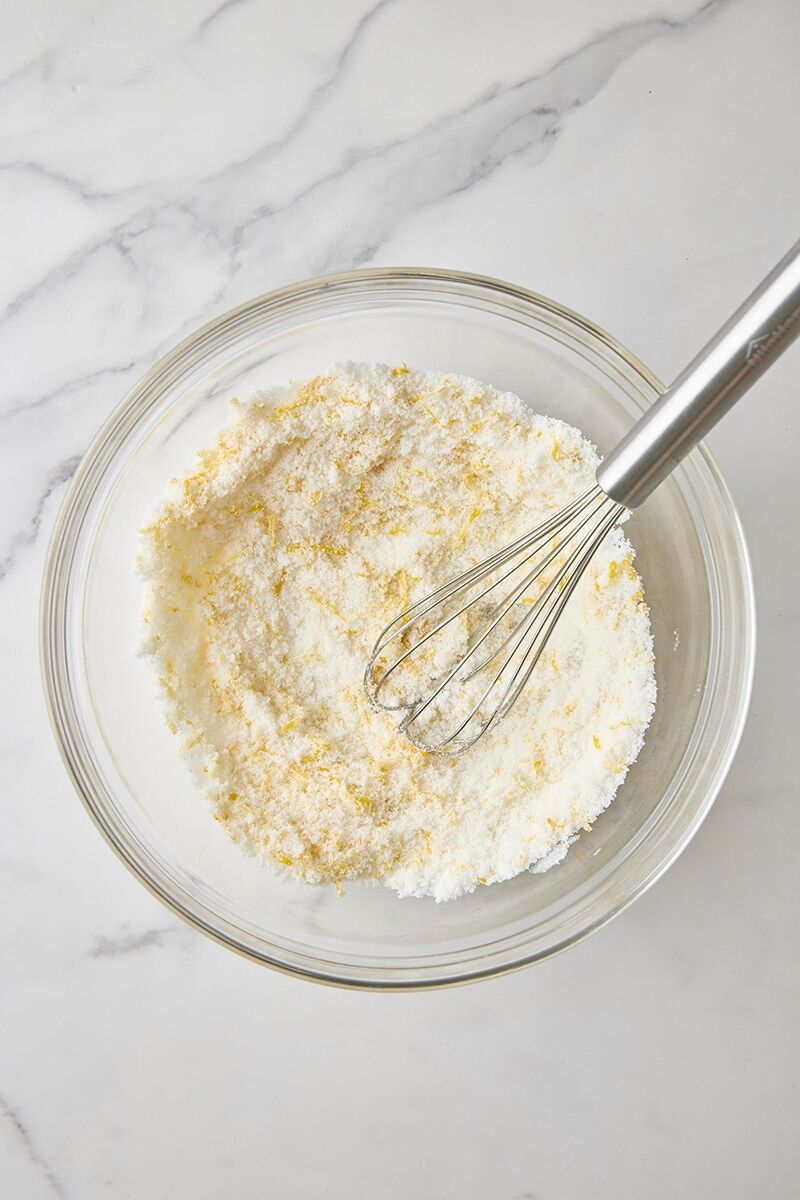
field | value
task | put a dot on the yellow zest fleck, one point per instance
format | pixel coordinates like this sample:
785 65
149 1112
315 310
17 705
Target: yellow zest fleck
365 803
398 589
269 523
326 604
461 537
596 741
556 451
433 417
284 410
401 370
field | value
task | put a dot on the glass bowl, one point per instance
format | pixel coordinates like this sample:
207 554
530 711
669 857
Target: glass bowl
109 721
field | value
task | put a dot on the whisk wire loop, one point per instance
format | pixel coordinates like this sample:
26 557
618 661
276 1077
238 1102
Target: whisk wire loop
530 636
569 540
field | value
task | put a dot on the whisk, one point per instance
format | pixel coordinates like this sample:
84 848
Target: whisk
451 702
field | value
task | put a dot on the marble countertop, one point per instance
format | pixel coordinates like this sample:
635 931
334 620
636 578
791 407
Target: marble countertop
159 163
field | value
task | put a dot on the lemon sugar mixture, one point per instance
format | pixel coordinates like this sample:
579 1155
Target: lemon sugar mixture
320 512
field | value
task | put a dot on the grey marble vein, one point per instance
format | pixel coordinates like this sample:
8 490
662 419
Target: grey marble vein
460 149
69 387
38 61
59 475
125 943
25 166
333 78
213 17
31 1150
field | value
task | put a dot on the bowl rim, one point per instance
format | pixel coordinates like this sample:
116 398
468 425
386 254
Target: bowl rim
53 586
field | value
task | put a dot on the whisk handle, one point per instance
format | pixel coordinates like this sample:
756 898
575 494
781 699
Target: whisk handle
745 347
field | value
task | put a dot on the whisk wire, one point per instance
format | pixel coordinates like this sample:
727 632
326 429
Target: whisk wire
575 530
521 588
541 620
421 607
532 542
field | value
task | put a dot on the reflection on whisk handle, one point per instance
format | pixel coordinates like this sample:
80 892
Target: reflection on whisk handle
746 346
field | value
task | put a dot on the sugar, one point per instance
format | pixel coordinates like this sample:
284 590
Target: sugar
314 520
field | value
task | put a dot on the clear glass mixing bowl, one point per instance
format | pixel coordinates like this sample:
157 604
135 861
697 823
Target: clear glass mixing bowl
110 724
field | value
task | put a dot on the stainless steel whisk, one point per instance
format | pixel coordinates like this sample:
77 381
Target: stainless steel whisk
563 546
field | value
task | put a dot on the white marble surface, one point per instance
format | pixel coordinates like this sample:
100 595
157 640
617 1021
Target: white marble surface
160 162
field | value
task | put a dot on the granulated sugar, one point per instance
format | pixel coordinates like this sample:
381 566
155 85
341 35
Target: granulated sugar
314 520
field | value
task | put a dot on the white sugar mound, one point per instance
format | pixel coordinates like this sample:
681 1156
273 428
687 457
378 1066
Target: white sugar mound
314 520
